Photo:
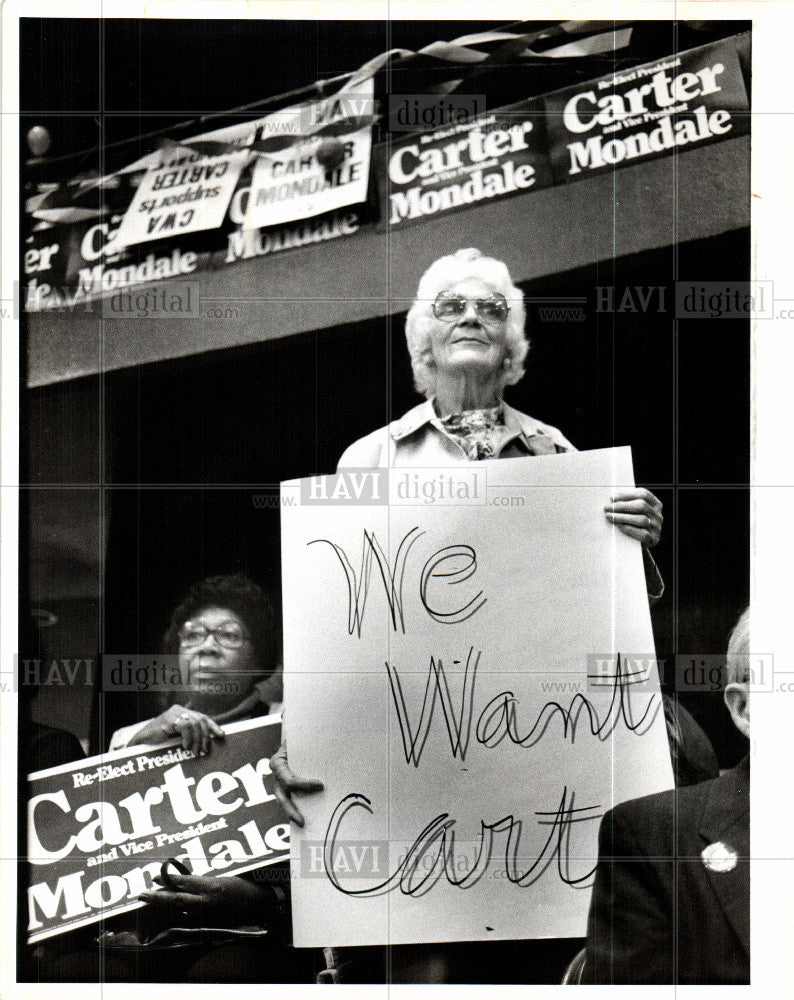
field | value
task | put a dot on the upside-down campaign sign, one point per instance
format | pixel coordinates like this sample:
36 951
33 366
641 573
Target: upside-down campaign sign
470 672
181 192
99 829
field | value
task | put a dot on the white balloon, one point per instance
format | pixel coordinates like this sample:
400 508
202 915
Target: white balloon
39 140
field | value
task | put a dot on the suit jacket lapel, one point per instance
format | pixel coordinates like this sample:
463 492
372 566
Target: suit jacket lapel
726 819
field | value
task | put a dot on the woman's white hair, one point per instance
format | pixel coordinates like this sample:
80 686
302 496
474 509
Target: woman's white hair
440 276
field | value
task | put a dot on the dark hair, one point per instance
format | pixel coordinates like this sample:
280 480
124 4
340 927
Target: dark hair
252 605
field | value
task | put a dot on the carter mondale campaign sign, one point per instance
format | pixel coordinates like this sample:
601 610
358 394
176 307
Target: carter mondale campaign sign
99 829
691 98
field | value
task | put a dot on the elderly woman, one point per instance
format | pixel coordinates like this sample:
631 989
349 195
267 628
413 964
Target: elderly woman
465 333
466 339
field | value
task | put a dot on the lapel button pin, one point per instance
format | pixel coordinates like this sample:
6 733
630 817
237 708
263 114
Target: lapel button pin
719 857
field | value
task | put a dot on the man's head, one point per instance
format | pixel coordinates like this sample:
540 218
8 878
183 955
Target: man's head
737 687
489 279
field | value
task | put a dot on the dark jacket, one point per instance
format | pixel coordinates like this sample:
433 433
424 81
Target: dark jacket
671 900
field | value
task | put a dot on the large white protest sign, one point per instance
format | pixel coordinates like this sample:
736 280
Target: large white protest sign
469 670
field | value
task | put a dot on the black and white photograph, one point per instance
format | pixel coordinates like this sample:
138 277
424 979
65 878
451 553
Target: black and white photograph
395 461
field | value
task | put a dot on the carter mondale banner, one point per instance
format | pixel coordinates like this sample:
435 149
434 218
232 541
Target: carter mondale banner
314 158
67 267
324 168
492 156
692 98
99 829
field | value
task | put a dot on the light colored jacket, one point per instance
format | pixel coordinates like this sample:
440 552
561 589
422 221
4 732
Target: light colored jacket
419 439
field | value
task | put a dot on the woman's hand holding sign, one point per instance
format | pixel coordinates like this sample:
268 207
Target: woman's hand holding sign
195 729
638 514
225 901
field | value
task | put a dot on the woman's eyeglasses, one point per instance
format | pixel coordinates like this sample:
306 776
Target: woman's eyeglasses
492 309
229 636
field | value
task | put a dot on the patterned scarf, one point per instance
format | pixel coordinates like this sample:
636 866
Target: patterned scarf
477 430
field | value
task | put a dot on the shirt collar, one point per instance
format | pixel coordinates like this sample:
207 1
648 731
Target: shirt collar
411 421
516 423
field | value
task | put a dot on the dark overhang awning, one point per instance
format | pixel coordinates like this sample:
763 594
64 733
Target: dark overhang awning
696 194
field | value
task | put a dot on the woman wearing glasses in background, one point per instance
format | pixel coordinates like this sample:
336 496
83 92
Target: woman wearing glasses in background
225 635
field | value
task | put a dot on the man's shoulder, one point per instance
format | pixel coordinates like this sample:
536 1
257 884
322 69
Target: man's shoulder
662 810
653 811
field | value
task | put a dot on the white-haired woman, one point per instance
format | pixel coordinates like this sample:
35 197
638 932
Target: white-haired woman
465 333
466 339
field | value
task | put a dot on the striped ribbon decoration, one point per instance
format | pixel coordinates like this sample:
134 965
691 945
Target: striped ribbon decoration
479 53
